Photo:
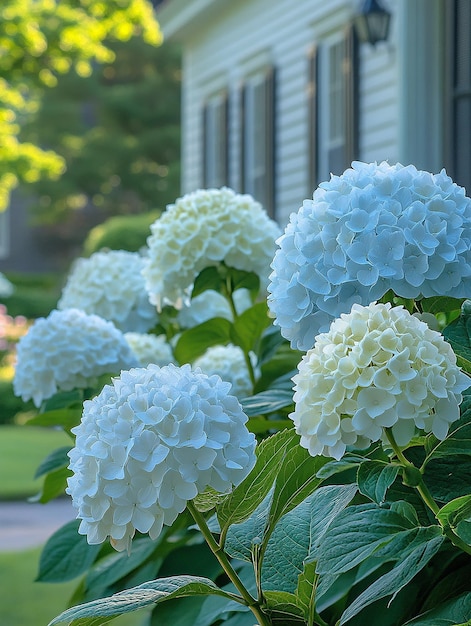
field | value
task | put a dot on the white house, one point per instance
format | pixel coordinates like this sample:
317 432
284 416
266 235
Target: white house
277 94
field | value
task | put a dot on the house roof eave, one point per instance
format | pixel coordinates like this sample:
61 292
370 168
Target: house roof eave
177 17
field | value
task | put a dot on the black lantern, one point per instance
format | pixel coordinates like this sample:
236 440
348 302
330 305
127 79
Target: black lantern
372 23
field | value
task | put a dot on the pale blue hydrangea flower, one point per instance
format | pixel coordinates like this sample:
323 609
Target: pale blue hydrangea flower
149 443
110 284
68 350
150 348
374 228
200 230
377 367
229 363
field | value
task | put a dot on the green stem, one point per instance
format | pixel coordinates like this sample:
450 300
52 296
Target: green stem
230 298
221 556
425 494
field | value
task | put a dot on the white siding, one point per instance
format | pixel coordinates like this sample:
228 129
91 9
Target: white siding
248 34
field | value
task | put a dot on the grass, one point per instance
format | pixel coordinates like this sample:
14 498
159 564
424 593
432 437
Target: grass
22 448
24 602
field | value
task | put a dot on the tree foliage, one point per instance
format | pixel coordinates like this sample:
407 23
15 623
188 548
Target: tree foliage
39 41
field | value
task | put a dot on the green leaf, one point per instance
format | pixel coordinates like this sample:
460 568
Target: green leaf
147 594
355 534
240 279
57 459
285 606
427 544
62 400
249 326
267 402
456 511
247 496
347 462
67 418
195 341
455 612
262 425
458 335
116 565
441 304
375 478
306 589
53 486
66 555
209 278
448 477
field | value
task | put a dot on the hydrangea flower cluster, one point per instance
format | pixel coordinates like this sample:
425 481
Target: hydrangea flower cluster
150 348
211 304
110 284
149 443
200 230
377 367
228 362
67 350
372 229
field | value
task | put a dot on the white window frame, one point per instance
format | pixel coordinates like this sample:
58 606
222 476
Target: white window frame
215 141
4 233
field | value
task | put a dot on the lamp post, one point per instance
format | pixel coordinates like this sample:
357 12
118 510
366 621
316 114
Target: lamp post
372 23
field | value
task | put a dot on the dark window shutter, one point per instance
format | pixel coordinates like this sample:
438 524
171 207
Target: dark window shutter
270 135
313 119
461 106
351 75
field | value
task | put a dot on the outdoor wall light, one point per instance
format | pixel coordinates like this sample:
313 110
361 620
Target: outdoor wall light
372 23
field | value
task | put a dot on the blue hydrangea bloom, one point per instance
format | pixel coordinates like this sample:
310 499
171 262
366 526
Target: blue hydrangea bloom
374 228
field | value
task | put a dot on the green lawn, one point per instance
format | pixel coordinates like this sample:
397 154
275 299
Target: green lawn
22 448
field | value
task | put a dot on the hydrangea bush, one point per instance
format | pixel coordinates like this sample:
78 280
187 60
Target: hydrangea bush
334 488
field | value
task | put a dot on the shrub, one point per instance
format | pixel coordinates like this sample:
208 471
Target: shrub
122 232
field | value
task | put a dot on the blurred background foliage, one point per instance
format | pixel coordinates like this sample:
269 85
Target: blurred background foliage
41 40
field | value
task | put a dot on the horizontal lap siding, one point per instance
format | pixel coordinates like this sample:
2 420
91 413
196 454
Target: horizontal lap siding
281 33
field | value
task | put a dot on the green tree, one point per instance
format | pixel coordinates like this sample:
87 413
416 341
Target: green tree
117 130
40 40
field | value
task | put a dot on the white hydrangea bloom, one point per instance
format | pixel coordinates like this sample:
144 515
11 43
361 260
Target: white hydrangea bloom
6 287
228 362
150 348
149 443
211 304
372 229
376 367
68 350
110 284
202 229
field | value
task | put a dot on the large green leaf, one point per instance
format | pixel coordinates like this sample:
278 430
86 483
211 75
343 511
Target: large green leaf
455 511
117 565
247 496
456 612
375 478
66 418
355 534
57 459
144 595
458 334
249 326
54 485
66 555
209 278
195 341
284 607
426 544
441 304
267 402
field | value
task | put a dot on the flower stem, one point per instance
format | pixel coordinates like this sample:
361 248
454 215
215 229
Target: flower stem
425 494
230 298
221 556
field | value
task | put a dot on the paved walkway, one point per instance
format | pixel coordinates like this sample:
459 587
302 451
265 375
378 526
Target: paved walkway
25 525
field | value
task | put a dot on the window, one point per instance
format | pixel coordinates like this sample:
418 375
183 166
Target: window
215 144
4 233
258 138
458 136
332 102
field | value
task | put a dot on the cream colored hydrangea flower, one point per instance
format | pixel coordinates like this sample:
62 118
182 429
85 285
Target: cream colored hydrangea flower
200 230
150 348
110 284
377 367
228 362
